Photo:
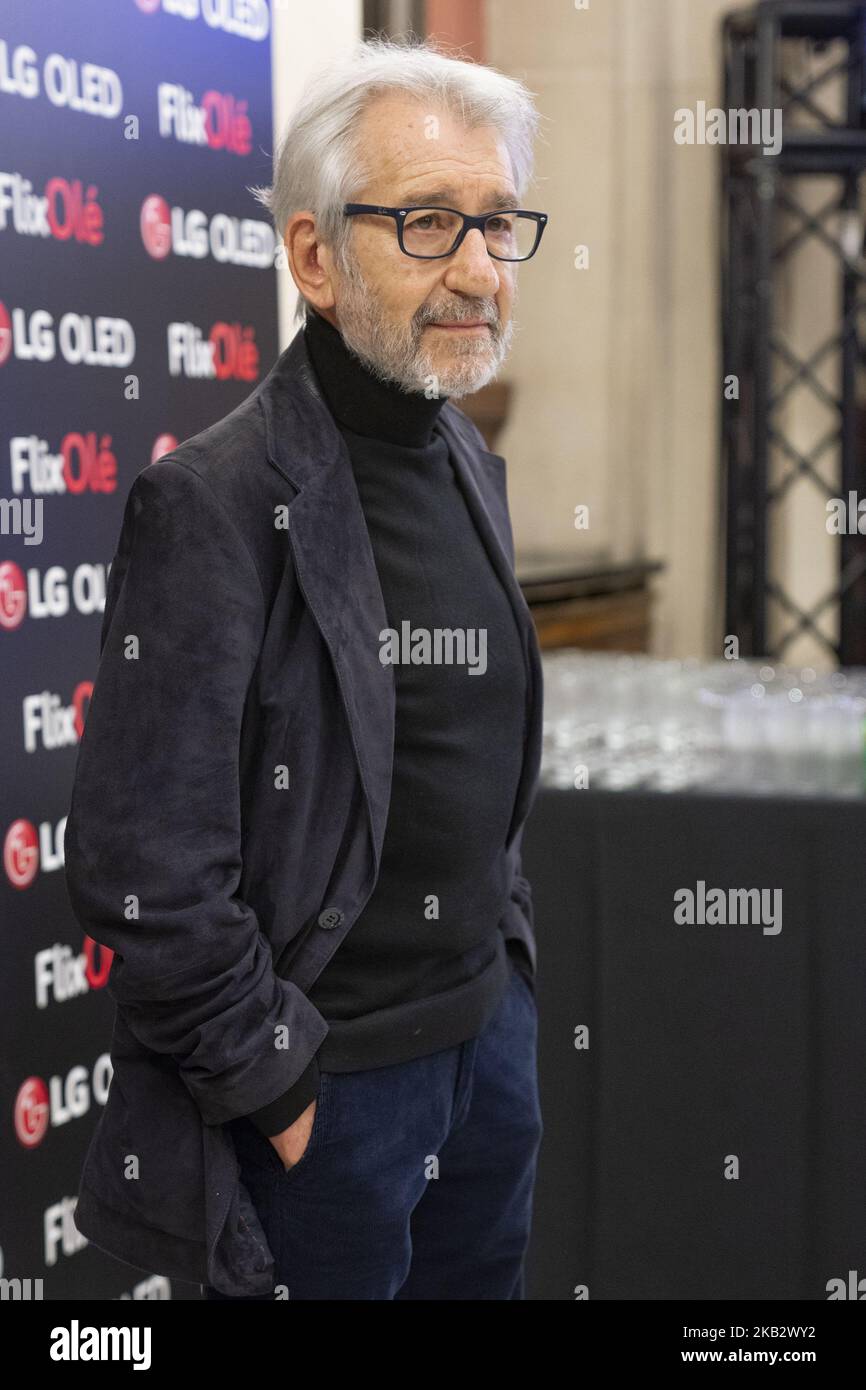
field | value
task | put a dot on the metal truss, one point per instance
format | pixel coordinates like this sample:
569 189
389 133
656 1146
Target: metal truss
765 222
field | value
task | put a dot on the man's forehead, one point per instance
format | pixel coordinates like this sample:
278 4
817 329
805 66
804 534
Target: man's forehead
448 195
420 146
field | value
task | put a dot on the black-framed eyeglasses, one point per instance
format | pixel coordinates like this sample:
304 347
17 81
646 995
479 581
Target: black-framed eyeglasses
429 233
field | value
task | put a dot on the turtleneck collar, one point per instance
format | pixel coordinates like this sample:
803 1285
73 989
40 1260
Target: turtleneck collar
358 400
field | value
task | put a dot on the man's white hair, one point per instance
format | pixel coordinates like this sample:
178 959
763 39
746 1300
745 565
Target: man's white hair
320 165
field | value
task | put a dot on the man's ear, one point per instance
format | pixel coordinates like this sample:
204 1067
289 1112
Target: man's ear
310 262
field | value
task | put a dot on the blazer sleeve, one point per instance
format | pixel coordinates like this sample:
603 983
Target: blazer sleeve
153 835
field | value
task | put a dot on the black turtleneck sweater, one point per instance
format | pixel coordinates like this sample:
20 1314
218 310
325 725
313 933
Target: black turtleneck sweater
424 966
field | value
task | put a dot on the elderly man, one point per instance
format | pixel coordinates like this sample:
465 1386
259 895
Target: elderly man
312 745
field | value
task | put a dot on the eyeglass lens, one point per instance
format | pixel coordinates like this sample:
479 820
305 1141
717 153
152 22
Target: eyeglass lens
432 232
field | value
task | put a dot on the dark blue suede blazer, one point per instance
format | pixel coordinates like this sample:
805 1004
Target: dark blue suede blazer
230 799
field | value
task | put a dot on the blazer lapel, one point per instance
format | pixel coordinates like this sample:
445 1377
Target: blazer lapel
334 563
489 511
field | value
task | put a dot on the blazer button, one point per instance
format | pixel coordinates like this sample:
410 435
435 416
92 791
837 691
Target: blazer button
330 918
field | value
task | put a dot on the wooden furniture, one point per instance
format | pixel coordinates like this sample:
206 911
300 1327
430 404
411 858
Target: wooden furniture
597 605
592 603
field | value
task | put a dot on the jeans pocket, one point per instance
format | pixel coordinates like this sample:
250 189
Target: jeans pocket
524 984
315 1139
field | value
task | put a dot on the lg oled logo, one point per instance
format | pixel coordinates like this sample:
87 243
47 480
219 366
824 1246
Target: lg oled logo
229 240
13 595
82 339
49 593
162 445
84 87
246 19
6 343
40 1106
26 850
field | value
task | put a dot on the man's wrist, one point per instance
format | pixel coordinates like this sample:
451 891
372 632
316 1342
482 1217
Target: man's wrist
272 1119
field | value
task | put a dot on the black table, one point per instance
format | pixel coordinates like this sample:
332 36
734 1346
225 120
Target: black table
708 1044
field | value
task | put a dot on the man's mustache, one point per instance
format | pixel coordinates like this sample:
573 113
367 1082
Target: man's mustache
483 312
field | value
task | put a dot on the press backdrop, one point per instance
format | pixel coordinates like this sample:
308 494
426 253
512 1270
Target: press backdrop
137 305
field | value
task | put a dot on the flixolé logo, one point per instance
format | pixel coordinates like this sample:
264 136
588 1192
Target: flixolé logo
5 333
13 595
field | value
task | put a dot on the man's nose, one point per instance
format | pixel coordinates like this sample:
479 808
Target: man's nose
471 270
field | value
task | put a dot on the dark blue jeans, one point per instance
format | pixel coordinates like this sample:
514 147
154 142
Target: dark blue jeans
417 1179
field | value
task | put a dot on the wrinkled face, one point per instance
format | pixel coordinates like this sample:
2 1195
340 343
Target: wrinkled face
441 326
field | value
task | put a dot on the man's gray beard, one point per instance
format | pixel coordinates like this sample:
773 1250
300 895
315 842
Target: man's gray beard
395 353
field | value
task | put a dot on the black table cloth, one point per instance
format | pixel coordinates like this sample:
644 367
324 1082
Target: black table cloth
713 1050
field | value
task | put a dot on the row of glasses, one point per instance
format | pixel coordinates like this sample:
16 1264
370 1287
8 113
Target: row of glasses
620 720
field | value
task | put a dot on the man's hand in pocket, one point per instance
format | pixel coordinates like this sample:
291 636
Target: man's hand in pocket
292 1143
